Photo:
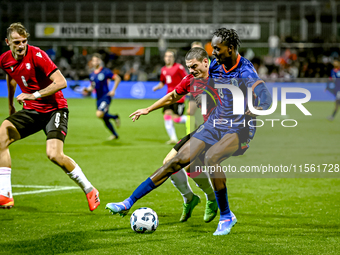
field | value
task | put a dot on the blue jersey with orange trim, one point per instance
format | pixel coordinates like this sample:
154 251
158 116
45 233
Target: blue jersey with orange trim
242 75
100 81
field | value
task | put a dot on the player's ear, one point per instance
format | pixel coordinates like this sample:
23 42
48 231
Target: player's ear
7 42
206 62
230 48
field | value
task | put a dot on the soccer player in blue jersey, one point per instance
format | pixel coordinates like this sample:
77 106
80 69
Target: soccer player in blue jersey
219 141
100 79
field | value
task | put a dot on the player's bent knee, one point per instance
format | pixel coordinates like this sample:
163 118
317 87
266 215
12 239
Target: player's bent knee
211 159
100 114
170 156
179 161
55 157
168 112
166 160
8 134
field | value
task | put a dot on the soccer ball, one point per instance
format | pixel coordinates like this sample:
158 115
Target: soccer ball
144 220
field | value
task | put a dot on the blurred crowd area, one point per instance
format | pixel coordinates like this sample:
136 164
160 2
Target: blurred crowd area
280 63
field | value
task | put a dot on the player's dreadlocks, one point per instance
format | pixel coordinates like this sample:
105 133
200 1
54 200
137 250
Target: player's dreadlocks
229 37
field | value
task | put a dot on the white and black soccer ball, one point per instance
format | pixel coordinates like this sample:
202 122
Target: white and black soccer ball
144 220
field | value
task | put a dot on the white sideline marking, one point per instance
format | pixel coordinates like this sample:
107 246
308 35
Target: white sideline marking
42 189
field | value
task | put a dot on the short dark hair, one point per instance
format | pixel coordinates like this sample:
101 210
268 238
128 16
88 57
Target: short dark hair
197 53
229 37
19 28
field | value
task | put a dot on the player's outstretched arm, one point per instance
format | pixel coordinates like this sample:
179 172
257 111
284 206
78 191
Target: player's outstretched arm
168 99
58 83
11 85
160 85
264 96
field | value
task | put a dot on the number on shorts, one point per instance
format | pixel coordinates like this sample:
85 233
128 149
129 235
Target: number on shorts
180 109
57 120
103 106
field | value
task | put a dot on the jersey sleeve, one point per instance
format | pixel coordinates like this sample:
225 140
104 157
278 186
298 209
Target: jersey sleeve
333 74
1 58
183 87
250 77
42 61
109 74
162 78
182 71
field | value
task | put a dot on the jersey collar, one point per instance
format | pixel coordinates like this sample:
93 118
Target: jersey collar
237 62
99 70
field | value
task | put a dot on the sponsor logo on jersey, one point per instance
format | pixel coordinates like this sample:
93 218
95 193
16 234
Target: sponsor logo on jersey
39 55
28 66
234 82
101 76
200 129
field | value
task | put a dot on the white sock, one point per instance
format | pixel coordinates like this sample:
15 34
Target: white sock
79 177
180 181
170 129
203 182
5 182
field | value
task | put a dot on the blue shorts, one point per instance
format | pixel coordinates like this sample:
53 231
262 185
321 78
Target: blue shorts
103 103
210 135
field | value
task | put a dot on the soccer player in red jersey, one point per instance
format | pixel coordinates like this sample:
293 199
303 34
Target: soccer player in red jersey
44 108
171 75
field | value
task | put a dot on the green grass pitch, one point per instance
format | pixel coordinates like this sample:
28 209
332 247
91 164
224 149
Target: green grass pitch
275 215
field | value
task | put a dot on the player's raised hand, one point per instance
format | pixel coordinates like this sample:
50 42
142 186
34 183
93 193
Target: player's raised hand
135 115
24 96
248 112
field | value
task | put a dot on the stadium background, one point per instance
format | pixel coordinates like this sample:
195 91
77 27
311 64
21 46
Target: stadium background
290 42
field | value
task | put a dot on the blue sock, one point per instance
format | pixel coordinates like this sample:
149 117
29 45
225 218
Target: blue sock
143 189
109 126
108 115
223 204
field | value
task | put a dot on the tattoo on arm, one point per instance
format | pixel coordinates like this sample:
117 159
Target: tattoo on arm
49 90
